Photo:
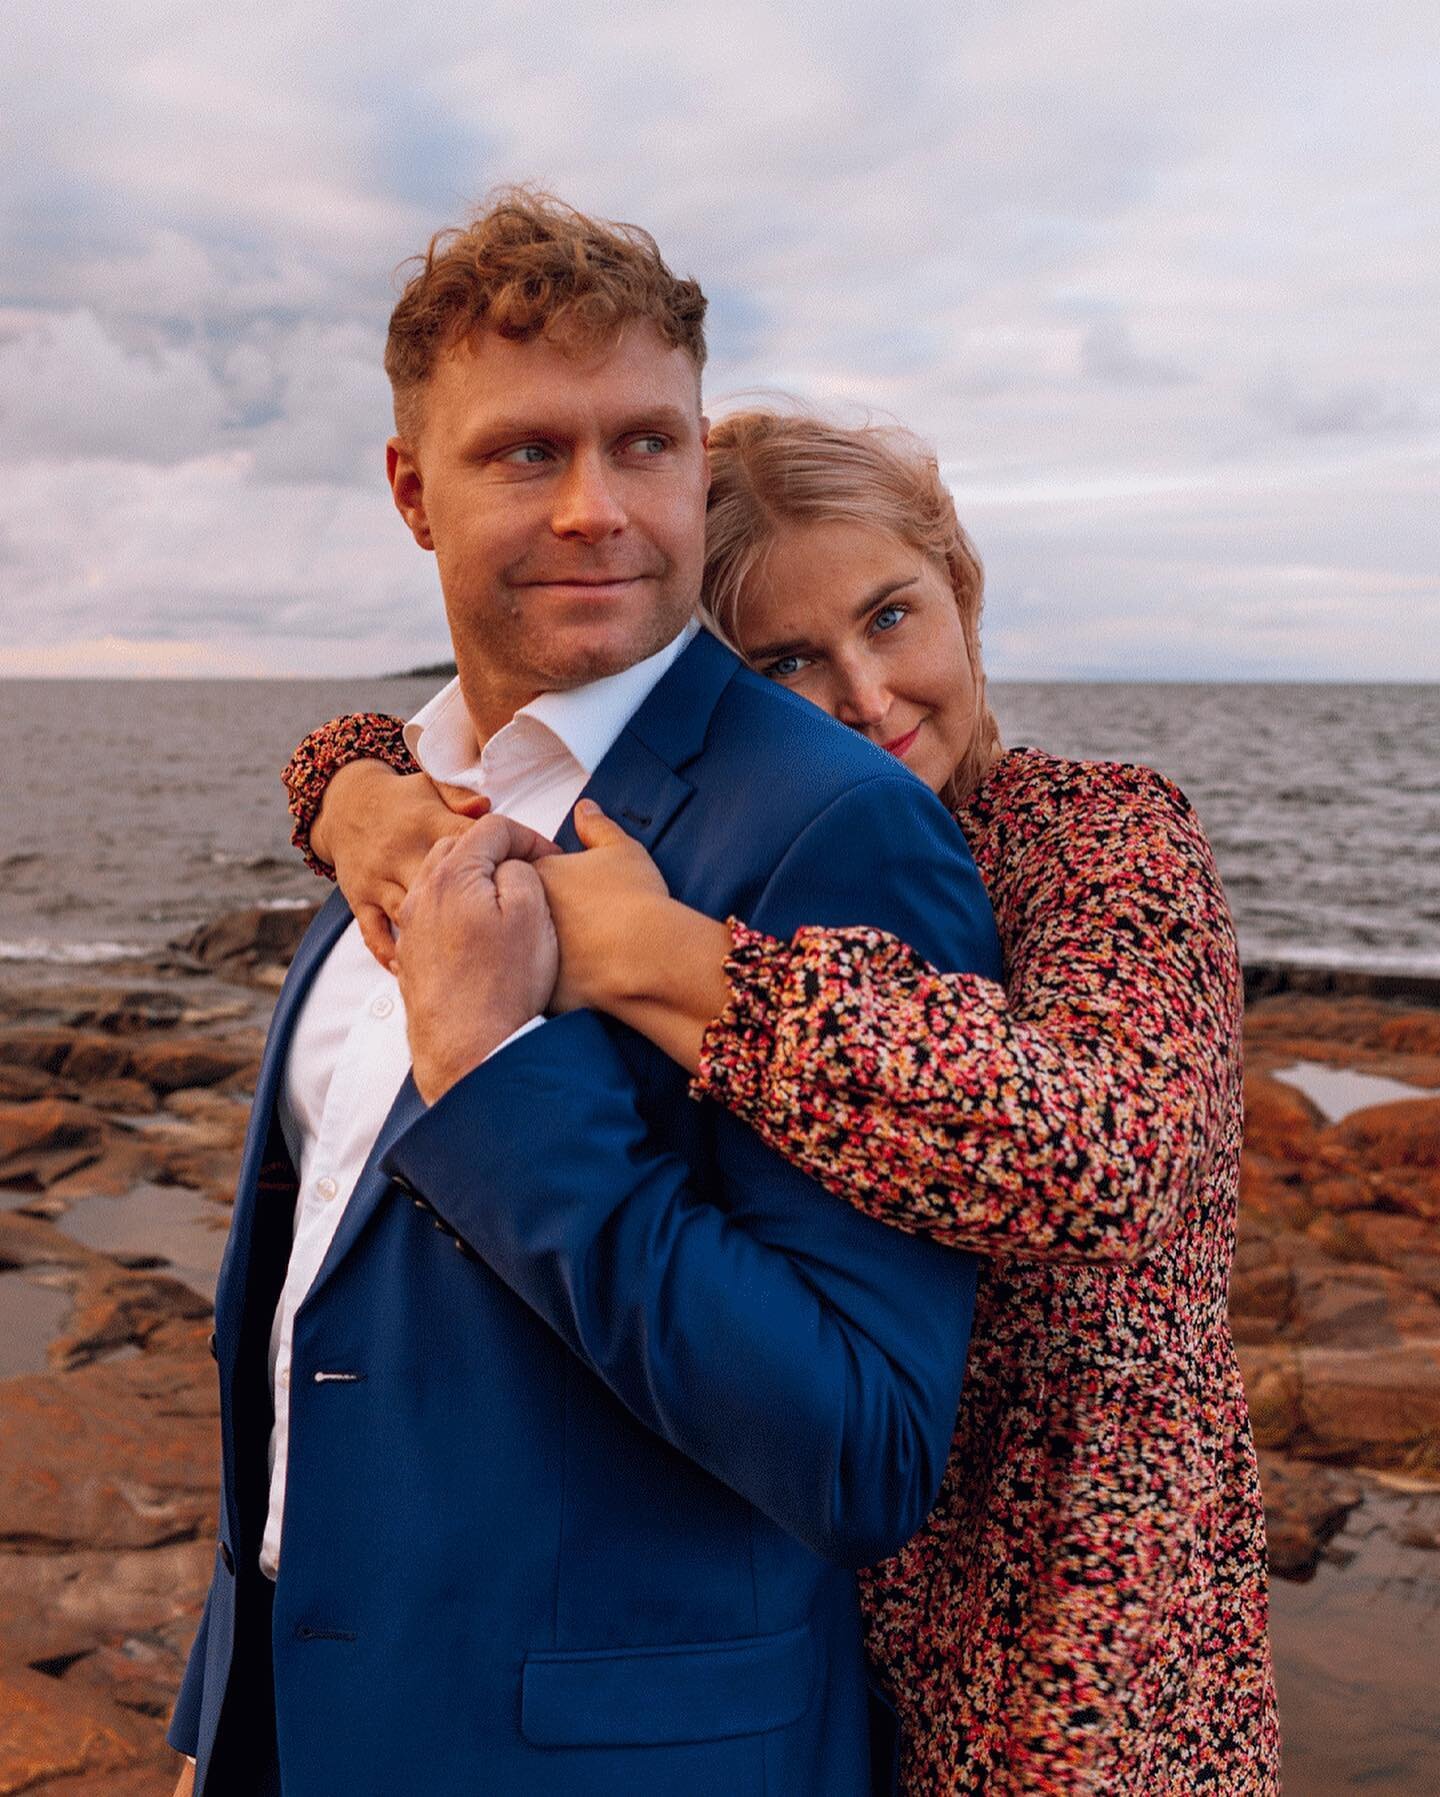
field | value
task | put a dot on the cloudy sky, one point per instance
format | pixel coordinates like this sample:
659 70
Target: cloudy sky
1161 281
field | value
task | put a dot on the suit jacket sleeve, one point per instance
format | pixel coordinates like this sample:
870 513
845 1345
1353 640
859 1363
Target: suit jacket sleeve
183 1733
805 1355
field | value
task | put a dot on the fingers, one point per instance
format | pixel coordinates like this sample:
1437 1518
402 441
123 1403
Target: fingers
594 829
496 839
377 935
461 800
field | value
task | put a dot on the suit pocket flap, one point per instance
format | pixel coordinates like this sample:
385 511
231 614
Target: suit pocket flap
653 1696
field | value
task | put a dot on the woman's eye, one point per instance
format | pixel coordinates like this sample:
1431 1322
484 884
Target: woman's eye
888 617
785 667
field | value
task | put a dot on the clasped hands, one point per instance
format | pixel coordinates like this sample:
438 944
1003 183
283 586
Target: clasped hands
500 926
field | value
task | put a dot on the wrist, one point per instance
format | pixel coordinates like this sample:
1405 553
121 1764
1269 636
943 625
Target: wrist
346 789
672 956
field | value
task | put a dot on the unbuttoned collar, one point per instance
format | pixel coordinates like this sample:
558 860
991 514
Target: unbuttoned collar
579 725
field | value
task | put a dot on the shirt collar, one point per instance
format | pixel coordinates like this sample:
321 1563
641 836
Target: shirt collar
581 722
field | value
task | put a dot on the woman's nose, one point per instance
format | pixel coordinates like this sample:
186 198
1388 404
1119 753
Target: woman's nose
862 701
587 505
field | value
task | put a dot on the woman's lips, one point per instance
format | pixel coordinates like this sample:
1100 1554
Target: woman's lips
901 745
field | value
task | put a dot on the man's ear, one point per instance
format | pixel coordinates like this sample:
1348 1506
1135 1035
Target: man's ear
407 489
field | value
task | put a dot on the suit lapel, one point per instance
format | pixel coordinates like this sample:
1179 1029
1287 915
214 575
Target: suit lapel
637 785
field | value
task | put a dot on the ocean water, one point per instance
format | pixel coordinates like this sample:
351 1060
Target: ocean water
133 810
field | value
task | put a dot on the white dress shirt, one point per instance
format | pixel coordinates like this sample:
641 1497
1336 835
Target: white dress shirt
349 1054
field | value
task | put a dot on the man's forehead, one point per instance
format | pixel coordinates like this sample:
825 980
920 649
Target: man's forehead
492 374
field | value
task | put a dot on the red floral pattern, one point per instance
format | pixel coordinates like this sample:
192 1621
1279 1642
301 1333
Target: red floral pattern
1085 1608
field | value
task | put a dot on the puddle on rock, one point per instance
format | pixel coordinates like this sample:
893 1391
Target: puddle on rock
1336 1091
1356 1655
165 1223
31 1316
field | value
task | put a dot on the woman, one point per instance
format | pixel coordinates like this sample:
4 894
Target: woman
1085 1608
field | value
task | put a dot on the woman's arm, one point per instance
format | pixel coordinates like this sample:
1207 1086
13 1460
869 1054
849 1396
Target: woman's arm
1065 1119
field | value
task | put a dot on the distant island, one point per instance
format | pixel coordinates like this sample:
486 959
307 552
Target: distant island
433 670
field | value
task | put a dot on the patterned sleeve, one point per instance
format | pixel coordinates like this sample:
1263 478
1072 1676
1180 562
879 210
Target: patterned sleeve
1065 1116
363 736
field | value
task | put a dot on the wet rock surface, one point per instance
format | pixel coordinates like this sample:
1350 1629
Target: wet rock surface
131 1102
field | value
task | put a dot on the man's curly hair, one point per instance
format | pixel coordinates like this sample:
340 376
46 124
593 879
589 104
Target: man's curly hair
527 265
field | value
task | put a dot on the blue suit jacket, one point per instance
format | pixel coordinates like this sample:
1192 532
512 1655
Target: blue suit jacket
595 1401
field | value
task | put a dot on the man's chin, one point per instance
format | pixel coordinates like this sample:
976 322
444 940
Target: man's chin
575 656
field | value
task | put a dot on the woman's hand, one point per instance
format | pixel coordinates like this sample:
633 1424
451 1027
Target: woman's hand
599 900
375 827
628 948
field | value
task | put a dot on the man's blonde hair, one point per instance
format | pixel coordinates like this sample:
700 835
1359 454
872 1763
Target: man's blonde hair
525 266
770 469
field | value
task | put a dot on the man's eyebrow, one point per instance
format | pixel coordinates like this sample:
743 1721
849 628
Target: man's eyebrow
673 420
773 651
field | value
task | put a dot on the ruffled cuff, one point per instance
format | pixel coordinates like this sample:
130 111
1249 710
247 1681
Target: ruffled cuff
738 1045
362 736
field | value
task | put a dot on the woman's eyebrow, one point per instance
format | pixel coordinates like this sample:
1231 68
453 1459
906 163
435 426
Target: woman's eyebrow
887 591
770 651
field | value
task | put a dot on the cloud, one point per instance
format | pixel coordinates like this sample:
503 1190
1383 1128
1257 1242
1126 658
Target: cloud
1159 284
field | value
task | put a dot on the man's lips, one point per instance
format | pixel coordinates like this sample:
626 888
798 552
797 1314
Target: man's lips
584 583
900 745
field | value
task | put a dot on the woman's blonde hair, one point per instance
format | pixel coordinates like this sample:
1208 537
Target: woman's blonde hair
771 468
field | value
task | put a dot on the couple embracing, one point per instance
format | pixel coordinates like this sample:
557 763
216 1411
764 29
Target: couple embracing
721 1300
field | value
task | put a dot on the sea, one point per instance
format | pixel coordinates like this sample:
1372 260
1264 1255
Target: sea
134 810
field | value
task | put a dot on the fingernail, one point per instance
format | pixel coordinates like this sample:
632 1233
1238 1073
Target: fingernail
587 808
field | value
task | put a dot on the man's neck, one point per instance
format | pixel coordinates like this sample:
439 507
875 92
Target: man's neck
490 703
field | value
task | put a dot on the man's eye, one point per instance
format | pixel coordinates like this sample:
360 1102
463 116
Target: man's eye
888 617
650 444
528 455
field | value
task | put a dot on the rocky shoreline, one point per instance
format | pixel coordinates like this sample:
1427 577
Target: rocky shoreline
122 1109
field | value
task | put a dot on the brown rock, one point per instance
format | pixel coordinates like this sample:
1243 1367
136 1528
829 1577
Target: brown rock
128 1096
122 1164
1274 1191
198 1061
239 941
1408 1244
1280 1122
121 1454
32 1242
1403 1134
95 1057
1305 1506
1411 1191
1354 1305
31 1082
1373 1407
1261 1290
45 1123
47 1731
1272 1391
35 1047
119 1309
59 1605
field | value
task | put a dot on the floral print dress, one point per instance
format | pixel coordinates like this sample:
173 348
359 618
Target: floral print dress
1085 1608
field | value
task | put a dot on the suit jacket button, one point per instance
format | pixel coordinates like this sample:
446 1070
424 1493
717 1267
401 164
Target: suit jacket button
213 1346
227 1556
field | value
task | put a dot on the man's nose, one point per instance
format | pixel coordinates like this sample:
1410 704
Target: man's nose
587 505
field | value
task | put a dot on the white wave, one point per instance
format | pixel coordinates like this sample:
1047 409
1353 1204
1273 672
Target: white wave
71 954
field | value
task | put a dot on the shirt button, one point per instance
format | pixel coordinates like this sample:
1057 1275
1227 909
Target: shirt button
326 1188
382 1007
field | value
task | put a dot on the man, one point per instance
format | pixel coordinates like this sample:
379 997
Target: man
554 1407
